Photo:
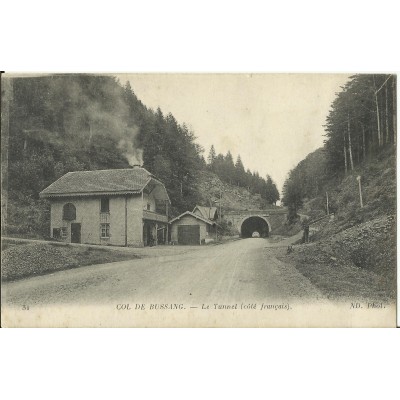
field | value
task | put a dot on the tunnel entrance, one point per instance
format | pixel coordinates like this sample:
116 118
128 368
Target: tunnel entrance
252 225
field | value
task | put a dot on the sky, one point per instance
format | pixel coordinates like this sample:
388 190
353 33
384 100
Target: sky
272 120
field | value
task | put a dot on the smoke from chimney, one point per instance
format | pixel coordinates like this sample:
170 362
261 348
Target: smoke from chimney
132 154
100 121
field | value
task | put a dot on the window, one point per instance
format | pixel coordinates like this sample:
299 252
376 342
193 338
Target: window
105 204
64 233
148 206
161 207
105 230
56 233
69 212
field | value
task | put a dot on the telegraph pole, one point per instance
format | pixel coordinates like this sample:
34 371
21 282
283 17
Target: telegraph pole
359 188
327 204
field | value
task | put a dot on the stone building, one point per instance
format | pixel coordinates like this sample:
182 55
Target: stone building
121 207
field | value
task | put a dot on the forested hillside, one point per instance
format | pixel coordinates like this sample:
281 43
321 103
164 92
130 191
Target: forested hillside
359 155
65 123
235 174
215 192
360 141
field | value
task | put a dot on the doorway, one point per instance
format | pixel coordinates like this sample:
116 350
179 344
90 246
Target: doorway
189 234
75 232
148 234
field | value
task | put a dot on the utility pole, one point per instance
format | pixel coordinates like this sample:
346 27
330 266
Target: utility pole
327 204
359 188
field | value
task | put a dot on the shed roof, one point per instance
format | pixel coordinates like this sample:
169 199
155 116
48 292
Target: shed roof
207 221
207 212
109 181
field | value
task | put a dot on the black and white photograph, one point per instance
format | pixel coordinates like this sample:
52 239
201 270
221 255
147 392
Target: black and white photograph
214 184
198 200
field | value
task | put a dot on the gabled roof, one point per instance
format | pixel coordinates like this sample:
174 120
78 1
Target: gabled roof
207 212
101 182
207 221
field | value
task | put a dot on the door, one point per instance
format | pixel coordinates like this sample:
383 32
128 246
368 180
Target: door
189 234
75 233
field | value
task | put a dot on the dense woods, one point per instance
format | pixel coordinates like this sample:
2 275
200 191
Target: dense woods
234 173
63 123
362 121
360 128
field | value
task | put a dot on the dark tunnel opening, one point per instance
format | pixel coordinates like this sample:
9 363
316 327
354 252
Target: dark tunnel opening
254 224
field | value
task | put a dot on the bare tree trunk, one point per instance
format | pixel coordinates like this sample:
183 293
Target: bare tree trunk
345 152
377 114
363 138
350 151
386 116
90 133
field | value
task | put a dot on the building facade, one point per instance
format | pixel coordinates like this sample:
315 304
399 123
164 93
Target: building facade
127 207
190 228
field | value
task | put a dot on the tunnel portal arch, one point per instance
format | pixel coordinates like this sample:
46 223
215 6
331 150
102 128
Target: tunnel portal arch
254 223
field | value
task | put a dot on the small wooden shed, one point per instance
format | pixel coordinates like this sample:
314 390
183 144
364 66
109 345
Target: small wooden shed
191 229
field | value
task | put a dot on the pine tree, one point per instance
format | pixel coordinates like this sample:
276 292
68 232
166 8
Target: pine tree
271 191
228 169
211 157
240 172
292 197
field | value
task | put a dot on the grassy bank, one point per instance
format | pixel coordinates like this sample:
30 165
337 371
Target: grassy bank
358 263
21 260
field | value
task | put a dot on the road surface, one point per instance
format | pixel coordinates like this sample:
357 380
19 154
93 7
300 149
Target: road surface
243 270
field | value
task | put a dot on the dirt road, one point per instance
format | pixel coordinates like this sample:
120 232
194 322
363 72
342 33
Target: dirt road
243 270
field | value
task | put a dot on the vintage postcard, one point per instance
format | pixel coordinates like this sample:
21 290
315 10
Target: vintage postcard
198 200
